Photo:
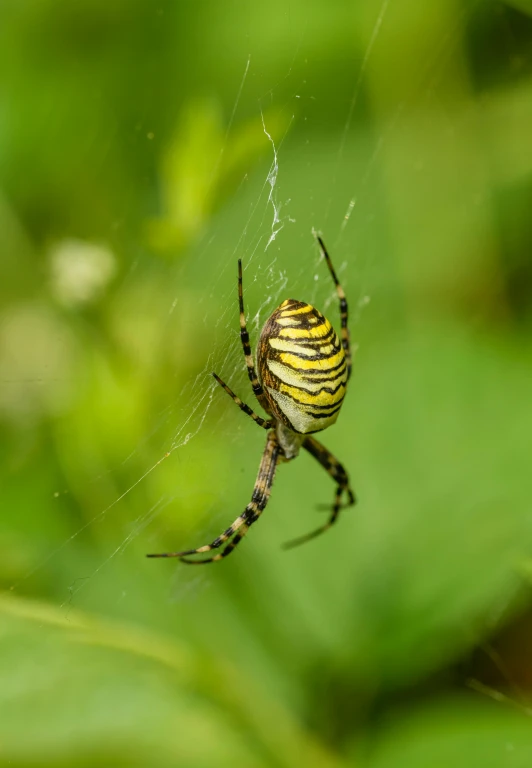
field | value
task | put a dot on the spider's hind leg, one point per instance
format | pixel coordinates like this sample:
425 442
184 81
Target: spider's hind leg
340 476
259 499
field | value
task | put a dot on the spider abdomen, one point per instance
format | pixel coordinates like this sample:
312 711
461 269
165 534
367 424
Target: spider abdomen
302 367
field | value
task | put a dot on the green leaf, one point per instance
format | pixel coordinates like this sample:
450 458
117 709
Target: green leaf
457 732
75 689
521 5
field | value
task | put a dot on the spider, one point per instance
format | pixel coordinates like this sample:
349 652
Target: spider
303 371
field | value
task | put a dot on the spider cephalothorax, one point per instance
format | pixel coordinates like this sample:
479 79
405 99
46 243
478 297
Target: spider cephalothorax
303 369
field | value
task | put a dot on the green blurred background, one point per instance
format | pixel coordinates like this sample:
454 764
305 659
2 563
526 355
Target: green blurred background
145 147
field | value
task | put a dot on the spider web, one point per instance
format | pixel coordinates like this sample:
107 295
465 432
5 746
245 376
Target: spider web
259 244
269 219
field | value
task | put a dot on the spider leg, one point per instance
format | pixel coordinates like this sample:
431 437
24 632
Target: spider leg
226 551
346 344
326 507
265 423
339 475
244 336
259 499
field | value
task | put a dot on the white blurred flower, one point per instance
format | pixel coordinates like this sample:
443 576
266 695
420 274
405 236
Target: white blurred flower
80 271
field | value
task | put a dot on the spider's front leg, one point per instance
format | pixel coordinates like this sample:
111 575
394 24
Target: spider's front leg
339 475
259 499
346 342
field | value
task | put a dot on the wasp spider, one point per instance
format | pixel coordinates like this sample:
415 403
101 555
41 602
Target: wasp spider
303 369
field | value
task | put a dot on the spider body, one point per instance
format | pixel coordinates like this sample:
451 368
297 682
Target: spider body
303 369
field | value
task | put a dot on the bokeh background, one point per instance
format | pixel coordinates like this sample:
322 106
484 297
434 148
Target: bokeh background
145 147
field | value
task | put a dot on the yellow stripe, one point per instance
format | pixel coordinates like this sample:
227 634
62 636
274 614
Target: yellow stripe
297 379
306 333
285 345
300 311
286 375
323 375
324 364
287 321
302 420
322 398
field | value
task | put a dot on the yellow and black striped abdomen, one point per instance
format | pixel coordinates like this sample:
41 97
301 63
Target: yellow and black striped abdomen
302 367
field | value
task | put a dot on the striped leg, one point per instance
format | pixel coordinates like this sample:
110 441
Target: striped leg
244 336
265 423
339 475
259 499
343 307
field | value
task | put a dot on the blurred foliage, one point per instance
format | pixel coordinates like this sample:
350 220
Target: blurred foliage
143 149
201 166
